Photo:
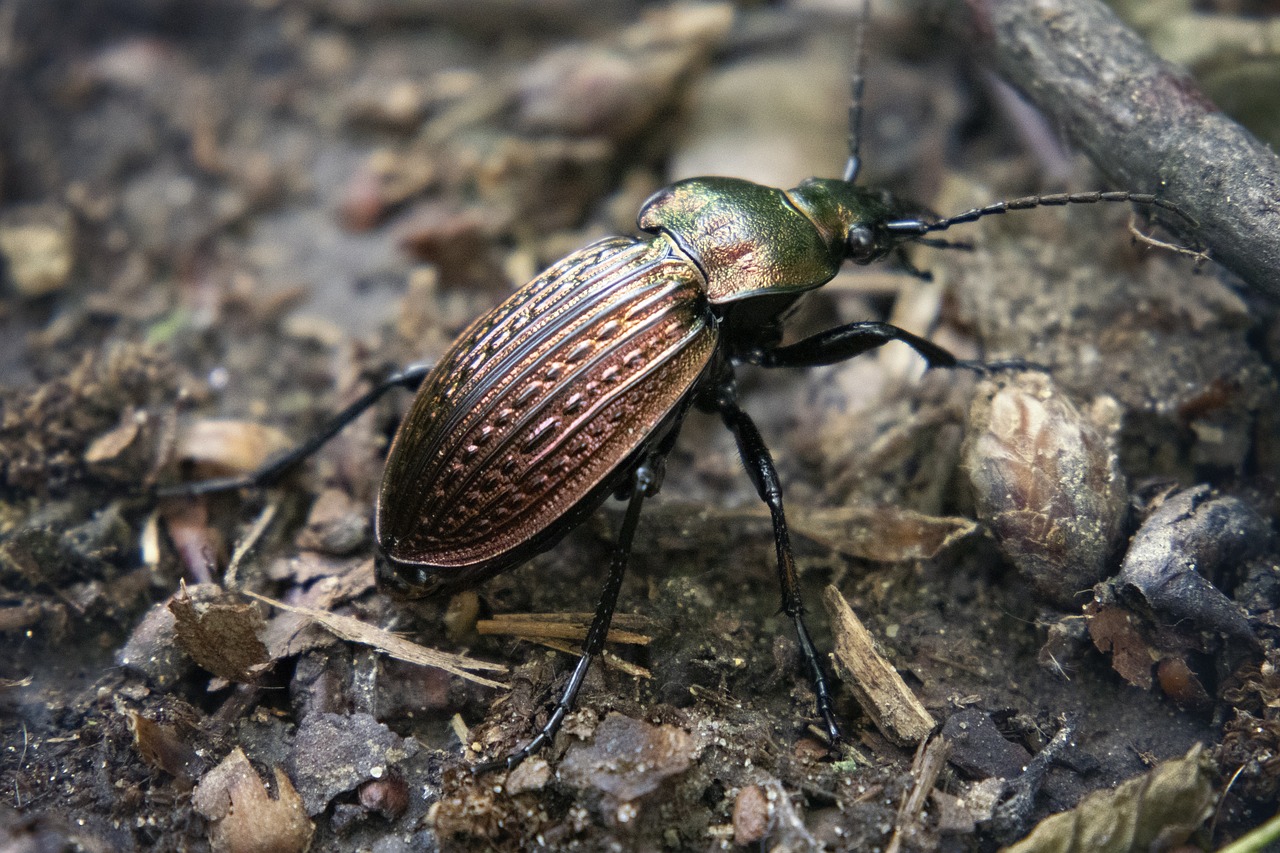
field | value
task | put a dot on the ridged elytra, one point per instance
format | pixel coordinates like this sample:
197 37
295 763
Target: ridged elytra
575 387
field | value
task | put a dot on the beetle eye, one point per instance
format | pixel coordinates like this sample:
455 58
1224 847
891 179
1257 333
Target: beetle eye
860 245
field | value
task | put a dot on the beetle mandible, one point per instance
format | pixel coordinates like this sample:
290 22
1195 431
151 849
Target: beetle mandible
575 387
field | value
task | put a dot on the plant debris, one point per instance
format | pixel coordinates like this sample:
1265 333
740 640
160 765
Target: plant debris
355 631
221 633
1047 481
1163 610
930 760
244 816
1159 810
880 691
563 626
1193 538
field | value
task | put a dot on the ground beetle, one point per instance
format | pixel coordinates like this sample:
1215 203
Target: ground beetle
574 388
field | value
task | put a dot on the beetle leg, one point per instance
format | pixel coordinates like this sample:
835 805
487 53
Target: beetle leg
939 243
410 377
759 463
844 342
900 255
642 484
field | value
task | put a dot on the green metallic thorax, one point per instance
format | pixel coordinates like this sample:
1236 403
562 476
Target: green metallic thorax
751 240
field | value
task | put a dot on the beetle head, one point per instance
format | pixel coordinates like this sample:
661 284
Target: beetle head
409 581
857 222
402 580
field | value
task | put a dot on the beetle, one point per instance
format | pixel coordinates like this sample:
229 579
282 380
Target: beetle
575 387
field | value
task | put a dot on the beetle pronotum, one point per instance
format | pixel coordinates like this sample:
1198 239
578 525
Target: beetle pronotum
575 387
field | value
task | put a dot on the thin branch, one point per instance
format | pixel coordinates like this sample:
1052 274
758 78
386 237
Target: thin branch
1142 121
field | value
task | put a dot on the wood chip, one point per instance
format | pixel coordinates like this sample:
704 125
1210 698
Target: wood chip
931 758
610 659
566 626
877 686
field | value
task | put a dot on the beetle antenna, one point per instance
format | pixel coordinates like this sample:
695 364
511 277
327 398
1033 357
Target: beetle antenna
919 227
855 96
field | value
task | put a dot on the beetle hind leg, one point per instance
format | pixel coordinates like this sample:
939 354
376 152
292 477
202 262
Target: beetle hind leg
643 483
409 377
759 463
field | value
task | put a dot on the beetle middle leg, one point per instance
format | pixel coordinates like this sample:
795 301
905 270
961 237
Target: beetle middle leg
410 377
759 463
643 484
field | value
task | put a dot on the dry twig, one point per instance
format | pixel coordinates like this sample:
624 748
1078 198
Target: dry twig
1142 121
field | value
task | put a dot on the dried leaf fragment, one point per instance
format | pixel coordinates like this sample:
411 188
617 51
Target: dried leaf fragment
883 534
161 747
219 448
37 244
1156 811
1113 630
355 631
336 525
221 635
200 546
1047 482
1187 541
243 816
116 441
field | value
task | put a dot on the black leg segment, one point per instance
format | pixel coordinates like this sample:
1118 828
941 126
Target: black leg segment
845 342
410 377
642 485
759 464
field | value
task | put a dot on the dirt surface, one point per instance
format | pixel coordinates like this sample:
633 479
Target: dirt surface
223 220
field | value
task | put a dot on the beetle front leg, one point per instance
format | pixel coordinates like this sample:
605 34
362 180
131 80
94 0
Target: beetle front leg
643 483
853 339
845 342
410 377
759 463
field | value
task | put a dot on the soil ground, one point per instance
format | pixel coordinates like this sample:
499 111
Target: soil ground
223 220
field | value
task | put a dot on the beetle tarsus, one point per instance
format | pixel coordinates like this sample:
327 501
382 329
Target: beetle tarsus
988 368
826 705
